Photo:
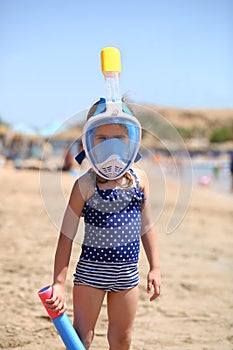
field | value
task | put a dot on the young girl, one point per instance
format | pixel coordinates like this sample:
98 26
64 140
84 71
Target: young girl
113 198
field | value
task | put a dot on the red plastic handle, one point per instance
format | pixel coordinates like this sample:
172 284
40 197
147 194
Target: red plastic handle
44 294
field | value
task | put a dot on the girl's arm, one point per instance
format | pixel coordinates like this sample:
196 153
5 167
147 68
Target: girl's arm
64 247
150 243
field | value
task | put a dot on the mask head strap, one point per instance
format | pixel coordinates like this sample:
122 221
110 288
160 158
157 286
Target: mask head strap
101 107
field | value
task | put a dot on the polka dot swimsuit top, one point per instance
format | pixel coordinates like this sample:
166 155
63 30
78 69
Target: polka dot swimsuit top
113 224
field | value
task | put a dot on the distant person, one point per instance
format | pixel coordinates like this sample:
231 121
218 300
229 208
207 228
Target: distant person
216 170
68 161
47 152
231 169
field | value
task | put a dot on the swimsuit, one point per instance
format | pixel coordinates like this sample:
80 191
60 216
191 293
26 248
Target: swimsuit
110 250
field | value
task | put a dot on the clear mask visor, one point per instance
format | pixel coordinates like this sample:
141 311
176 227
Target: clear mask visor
111 144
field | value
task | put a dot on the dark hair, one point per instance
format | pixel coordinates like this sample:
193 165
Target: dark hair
92 110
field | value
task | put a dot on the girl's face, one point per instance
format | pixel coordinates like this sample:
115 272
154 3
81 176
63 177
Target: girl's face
107 131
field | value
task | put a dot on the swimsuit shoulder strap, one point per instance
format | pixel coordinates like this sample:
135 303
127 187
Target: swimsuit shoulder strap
134 176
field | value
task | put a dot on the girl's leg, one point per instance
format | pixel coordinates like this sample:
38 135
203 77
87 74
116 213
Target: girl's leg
87 304
122 308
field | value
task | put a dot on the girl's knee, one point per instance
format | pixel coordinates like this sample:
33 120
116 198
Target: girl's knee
119 341
86 338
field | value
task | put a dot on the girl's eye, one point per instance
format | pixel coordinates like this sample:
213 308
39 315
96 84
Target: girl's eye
122 137
101 138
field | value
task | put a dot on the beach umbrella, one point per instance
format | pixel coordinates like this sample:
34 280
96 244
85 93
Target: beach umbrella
51 129
3 129
24 129
70 134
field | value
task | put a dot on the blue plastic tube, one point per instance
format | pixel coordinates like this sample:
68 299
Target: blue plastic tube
67 333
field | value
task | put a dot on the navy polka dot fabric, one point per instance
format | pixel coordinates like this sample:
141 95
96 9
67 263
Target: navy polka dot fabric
112 224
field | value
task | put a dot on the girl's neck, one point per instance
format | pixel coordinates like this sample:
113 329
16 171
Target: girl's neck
122 182
109 184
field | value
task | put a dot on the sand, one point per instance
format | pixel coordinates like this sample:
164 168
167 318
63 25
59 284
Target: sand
195 309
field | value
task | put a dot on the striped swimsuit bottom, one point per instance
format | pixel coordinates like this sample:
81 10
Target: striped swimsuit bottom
111 277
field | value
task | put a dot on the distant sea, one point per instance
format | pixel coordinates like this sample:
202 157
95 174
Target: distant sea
216 176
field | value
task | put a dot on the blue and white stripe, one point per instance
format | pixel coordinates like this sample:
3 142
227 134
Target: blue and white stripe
110 277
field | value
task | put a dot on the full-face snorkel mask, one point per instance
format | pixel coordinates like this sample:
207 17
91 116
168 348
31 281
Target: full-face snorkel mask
111 139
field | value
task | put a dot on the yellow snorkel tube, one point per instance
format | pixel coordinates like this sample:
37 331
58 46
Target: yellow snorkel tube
111 68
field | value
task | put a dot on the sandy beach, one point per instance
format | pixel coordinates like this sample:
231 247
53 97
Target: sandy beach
195 309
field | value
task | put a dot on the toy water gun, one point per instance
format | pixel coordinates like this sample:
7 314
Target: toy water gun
61 322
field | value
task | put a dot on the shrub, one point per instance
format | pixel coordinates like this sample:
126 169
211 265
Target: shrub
221 134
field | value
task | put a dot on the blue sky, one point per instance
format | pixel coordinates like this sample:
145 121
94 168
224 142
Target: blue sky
174 53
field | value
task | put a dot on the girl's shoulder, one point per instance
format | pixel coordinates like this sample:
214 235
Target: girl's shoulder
85 185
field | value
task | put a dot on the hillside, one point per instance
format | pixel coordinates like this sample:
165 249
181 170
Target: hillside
207 119
202 129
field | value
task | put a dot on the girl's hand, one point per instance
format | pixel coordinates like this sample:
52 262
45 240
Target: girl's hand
154 280
57 302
